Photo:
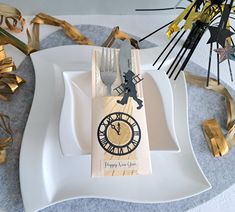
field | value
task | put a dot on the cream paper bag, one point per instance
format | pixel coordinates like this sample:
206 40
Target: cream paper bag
120 145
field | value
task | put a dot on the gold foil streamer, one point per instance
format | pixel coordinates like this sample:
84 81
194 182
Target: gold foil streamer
218 143
9 82
117 34
74 33
7 38
209 11
12 18
190 16
215 138
174 27
3 156
42 18
69 30
5 136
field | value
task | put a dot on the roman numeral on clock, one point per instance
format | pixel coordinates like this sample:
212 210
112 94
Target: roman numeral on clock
120 150
136 133
134 142
128 148
103 142
109 119
104 125
133 124
101 133
111 148
118 116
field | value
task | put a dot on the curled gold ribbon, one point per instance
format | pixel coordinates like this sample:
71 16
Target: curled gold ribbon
13 18
9 82
117 34
6 137
69 30
7 38
215 138
15 23
73 33
217 141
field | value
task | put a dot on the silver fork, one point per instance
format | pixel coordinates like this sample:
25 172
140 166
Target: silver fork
108 68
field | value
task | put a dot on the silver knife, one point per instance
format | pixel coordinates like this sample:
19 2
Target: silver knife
125 63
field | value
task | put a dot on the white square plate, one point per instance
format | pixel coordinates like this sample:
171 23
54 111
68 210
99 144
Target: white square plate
54 177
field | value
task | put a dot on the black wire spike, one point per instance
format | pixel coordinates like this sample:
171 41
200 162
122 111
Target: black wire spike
186 45
181 57
166 47
192 49
176 58
191 43
160 9
168 54
162 27
218 67
209 65
230 70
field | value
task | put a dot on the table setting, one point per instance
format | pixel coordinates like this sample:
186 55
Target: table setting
104 117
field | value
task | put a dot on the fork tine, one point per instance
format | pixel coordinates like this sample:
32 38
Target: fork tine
108 68
102 60
110 59
115 61
106 60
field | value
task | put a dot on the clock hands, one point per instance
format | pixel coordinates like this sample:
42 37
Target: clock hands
117 129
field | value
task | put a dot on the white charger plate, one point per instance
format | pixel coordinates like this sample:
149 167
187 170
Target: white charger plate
48 177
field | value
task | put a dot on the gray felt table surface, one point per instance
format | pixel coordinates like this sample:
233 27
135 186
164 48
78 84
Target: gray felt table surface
203 104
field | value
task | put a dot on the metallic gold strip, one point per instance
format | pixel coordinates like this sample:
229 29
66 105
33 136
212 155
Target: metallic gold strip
3 156
9 82
219 144
117 34
215 138
69 30
13 18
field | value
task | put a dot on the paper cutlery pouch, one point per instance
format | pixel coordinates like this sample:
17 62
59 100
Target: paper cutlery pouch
120 145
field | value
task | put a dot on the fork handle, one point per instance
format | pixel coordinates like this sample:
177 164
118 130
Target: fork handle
109 87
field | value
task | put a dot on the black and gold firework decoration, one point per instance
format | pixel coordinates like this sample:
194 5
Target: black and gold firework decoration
200 15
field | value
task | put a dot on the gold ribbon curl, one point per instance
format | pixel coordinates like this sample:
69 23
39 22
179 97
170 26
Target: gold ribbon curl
13 18
6 137
117 34
18 23
219 143
73 33
9 81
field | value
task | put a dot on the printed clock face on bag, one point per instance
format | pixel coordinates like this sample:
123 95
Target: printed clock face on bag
119 133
